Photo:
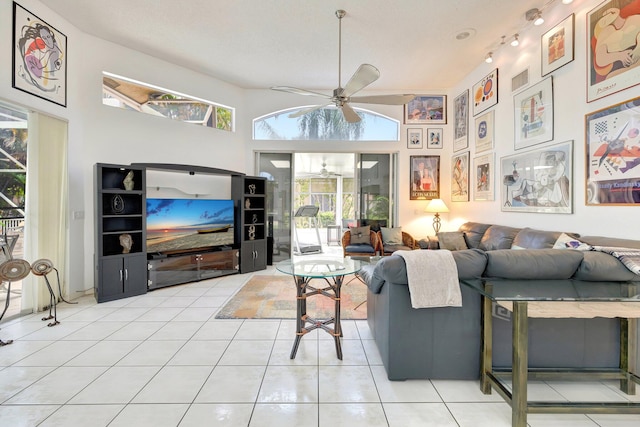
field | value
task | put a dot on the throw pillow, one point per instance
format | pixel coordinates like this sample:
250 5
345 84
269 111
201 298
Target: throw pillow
452 240
391 236
567 242
360 236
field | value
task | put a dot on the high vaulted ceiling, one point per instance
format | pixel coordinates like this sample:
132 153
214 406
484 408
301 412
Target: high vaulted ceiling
263 43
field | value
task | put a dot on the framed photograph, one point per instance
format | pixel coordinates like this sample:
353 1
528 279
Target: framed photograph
539 180
39 57
461 121
483 171
485 93
434 138
460 177
557 46
484 132
613 155
414 138
533 114
425 177
426 109
612 31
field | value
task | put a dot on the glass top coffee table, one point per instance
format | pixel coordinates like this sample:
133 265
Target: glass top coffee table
557 297
330 272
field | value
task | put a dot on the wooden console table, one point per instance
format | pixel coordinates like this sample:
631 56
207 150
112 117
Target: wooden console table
614 297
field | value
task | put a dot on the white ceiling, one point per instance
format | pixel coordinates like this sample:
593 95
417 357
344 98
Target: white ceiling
263 43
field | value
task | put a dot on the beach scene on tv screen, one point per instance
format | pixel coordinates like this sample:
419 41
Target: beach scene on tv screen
175 225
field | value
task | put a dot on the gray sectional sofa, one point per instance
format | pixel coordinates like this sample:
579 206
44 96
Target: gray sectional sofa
444 343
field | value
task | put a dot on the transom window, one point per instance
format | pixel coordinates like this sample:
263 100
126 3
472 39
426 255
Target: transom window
129 94
325 124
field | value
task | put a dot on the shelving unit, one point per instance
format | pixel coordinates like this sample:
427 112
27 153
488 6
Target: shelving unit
251 227
120 254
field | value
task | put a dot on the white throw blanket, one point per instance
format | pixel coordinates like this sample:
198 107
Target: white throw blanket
433 278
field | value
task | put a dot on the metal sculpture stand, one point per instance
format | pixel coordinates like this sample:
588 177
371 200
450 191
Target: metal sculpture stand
12 270
43 267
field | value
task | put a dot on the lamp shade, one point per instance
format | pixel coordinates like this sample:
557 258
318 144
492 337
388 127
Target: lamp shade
436 206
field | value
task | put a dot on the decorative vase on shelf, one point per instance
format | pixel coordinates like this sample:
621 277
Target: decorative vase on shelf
117 204
247 204
126 241
252 189
128 181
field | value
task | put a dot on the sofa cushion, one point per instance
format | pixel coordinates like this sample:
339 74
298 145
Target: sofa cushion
498 237
471 263
599 266
537 239
391 236
473 232
611 242
452 240
360 235
360 248
392 248
539 264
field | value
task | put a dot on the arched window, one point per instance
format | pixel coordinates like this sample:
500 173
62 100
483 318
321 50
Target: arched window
325 124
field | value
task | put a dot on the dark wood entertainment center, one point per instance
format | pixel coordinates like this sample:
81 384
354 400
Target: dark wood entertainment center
120 275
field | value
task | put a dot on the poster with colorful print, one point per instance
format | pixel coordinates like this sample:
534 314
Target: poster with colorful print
485 93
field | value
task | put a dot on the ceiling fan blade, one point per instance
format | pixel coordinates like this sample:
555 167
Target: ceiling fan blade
306 111
349 113
363 77
383 99
300 91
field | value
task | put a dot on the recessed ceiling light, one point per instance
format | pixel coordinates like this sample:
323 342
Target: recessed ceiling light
465 33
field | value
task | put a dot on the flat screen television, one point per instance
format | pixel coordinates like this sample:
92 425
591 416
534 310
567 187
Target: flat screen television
187 225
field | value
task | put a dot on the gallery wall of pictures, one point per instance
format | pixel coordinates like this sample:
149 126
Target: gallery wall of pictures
533 171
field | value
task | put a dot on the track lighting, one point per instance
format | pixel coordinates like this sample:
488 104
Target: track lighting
489 58
515 42
534 15
567 1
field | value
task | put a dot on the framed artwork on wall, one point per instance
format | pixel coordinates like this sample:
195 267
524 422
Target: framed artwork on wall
484 132
483 173
426 109
434 138
461 121
39 57
612 27
485 93
613 155
460 177
557 46
425 177
533 115
414 138
539 180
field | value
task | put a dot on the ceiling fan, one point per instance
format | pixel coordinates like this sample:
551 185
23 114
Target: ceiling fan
322 173
363 77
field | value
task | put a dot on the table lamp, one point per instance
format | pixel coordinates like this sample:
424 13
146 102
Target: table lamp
436 206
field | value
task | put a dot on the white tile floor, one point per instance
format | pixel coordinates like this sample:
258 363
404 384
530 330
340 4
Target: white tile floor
162 359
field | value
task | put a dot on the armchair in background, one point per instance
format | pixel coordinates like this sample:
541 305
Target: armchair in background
394 239
361 241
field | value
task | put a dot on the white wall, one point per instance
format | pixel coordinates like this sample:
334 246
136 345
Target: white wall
101 134
98 133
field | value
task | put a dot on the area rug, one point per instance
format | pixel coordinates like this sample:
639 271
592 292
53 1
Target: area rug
274 297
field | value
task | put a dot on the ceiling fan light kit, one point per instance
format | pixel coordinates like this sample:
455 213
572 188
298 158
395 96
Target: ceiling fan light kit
341 97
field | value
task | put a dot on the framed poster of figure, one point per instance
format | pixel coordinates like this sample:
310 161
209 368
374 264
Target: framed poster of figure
39 57
483 173
461 121
434 138
484 132
414 138
557 46
425 177
460 177
539 180
426 109
613 28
